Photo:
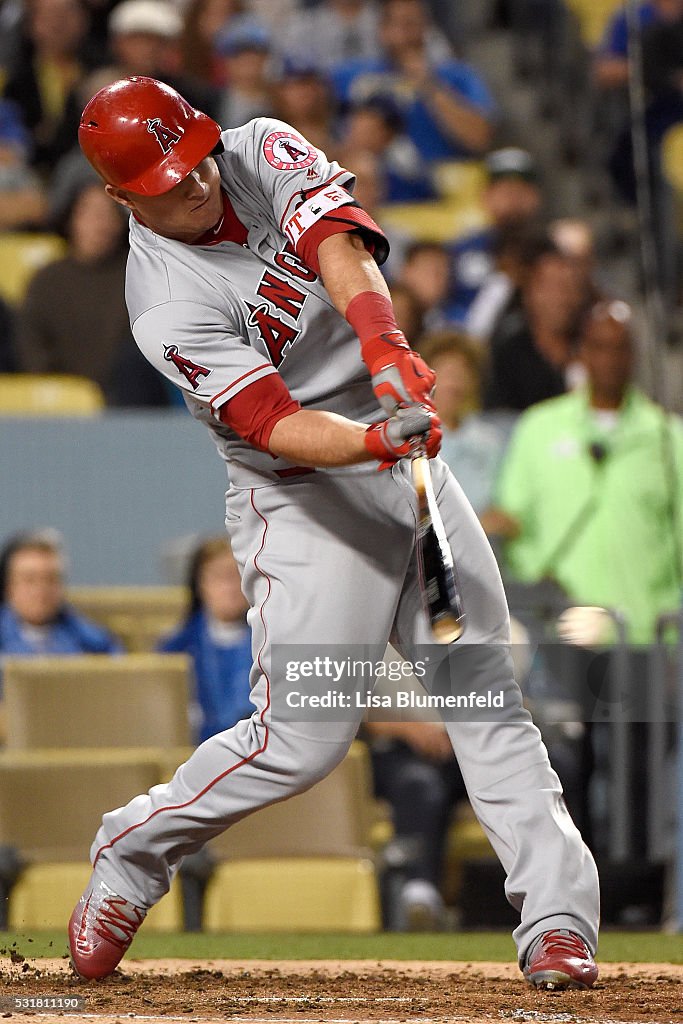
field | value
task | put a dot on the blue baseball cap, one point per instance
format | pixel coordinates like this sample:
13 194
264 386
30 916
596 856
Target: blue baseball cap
242 33
12 129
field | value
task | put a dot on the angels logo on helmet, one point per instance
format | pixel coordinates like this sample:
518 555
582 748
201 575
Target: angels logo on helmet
166 137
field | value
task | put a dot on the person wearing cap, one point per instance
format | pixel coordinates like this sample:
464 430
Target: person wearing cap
512 199
245 48
253 286
144 38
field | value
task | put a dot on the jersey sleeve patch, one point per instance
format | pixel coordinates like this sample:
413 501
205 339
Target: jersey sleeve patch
286 151
313 210
192 372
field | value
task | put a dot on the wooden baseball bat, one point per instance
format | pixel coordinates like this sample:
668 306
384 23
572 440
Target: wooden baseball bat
443 601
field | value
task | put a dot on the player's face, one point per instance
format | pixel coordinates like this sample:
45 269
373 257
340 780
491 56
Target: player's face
191 208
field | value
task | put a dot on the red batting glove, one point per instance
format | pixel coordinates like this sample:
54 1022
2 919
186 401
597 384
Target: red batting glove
400 377
398 436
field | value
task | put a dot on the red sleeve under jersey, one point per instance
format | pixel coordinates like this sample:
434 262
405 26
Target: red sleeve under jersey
255 410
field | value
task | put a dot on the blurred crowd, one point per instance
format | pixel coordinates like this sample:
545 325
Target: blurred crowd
386 88
570 467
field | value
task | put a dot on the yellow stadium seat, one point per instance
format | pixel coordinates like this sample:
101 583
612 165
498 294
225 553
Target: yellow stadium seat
334 817
460 180
466 841
672 157
28 394
593 16
52 802
21 255
317 894
46 894
443 221
126 700
139 616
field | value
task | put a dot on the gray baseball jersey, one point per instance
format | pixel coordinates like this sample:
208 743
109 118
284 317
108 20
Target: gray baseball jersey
325 558
216 317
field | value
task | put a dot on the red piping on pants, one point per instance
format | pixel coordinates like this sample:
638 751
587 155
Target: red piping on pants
245 760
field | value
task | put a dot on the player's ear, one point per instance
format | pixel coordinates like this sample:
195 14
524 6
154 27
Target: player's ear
119 196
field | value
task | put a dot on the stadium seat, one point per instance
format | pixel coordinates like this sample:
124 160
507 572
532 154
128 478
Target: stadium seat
67 792
138 616
460 180
28 394
444 221
127 700
46 894
333 818
21 255
672 157
593 16
317 894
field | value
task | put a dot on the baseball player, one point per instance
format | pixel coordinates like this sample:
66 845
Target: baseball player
253 285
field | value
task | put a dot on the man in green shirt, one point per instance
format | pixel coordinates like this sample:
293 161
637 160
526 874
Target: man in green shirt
590 492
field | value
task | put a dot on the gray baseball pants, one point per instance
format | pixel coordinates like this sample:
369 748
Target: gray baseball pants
328 558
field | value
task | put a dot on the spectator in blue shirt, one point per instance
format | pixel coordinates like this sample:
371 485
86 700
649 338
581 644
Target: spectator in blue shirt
216 636
446 106
376 126
611 60
512 199
35 618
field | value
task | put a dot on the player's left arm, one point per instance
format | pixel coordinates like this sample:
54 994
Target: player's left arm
312 200
353 281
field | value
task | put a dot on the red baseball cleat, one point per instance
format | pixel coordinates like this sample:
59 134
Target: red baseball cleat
101 929
560 959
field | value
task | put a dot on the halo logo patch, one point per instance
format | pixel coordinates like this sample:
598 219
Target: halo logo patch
193 372
166 137
287 152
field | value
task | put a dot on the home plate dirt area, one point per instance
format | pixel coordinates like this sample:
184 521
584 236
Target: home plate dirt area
340 991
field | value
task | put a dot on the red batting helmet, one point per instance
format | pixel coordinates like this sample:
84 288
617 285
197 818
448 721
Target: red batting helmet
141 135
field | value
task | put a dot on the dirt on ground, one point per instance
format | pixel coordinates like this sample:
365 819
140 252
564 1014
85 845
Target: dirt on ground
344 991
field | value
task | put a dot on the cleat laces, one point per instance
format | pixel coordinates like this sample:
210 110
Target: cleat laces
562 942
117 921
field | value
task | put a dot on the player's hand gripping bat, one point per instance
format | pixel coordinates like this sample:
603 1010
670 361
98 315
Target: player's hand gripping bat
443 601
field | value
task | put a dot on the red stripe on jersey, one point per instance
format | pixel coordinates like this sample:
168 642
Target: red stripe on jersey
230 386
229 228
255 410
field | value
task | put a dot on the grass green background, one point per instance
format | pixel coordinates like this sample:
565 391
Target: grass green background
653 947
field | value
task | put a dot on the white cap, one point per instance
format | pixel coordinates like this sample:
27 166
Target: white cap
152 17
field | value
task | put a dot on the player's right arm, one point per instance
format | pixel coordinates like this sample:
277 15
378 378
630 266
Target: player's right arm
196 348
310 437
